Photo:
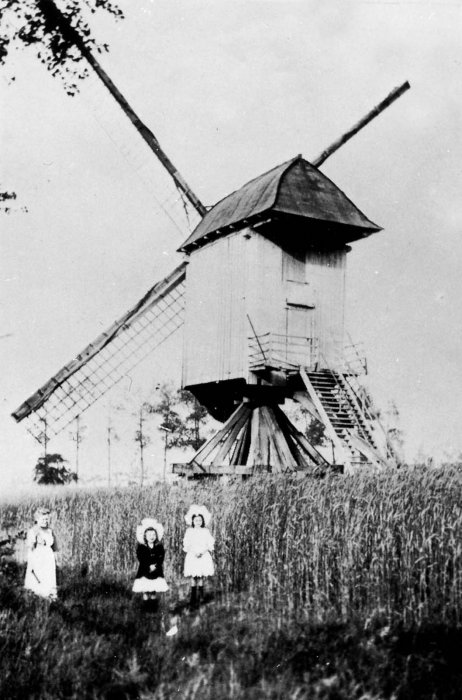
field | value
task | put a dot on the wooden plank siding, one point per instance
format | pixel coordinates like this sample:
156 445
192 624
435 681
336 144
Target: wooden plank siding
215 323
325 270
245 280
229 281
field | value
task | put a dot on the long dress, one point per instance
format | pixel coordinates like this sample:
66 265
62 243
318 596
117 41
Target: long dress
198 544
41 562
147 581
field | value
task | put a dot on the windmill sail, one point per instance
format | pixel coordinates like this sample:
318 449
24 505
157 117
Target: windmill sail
107 359
128 341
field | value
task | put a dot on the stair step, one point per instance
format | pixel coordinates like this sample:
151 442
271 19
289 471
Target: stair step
324 382
346 418
341 415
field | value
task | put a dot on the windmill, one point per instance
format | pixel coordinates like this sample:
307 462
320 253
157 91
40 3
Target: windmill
260 299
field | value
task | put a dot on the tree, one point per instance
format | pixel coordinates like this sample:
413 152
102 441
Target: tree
77 435
312 428
141 438
111 437
195 421
183 417
6 199
315 431
132 404
51 469
394 433
38 24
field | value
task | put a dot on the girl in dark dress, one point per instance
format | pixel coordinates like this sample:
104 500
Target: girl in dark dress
150 553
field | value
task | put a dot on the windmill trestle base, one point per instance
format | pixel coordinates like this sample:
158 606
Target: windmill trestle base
194 471
219 470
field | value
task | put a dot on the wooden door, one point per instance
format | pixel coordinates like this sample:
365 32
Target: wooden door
300 341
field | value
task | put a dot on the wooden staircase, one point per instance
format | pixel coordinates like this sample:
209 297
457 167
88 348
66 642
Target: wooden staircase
339 408
344 415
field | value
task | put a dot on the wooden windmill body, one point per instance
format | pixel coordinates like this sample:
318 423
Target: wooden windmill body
260 298
264 321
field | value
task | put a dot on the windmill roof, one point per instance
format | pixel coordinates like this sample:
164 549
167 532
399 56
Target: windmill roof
296 188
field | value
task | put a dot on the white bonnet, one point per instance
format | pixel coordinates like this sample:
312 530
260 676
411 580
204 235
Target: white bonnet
197 510
147 524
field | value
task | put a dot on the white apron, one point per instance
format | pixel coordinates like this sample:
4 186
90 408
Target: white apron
41 563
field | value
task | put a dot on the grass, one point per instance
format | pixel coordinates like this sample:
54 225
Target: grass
342 588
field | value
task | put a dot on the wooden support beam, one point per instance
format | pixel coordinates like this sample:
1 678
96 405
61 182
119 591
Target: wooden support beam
241 453
181 469
304 399
281 448
289 431
188 469
312 452
367 450
203 452
230 469
255 448
231 437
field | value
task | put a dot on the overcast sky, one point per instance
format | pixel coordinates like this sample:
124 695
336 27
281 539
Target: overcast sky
232 89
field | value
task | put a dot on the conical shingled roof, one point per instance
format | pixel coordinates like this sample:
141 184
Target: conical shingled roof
296 188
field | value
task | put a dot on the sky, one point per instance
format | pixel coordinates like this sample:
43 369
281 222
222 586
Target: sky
231 89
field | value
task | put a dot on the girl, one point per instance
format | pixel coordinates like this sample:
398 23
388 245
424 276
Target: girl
41 562
150 553
198 544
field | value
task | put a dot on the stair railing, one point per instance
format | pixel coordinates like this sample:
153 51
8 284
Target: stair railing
338 448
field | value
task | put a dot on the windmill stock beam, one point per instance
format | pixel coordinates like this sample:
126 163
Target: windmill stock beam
71 34
378 109
64 26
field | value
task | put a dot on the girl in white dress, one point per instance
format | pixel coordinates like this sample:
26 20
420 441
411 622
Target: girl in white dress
198 544
41 562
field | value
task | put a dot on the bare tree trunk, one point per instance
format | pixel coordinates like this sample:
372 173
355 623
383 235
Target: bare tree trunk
77 445
109 444
45 437
141 440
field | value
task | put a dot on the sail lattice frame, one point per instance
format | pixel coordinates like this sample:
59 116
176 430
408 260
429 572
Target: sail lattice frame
103 363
